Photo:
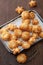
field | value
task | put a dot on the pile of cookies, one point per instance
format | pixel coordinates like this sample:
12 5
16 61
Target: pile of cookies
24 36
28 32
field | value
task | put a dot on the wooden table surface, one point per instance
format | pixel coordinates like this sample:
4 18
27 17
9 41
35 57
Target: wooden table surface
7 12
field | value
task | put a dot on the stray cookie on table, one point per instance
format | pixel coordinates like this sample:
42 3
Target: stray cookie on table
19 9
21 58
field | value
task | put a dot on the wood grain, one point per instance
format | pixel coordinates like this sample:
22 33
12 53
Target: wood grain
7 12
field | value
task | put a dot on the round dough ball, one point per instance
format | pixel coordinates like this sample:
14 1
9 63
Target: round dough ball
12 44
33 3
19 42
25 45
35 21
31 40
21 58
5 35
27 21
19 9
24 26
36 29
16 50
25 35
18 32
32 15
41 34
25 15
11 27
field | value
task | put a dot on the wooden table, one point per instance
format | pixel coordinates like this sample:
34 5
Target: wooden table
7 12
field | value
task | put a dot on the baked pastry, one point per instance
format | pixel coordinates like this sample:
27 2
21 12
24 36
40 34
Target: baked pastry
31 40
41 34
25 35
11 27
32 15
19 9
36 29
32 3
16 50
35 35
24 26
19 42
21 58
35 21
3 30
25 45
5 35
26 21
13 37
12 44
25 15
18 32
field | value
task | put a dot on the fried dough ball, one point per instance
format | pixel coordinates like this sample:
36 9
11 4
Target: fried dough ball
33 3
12 44
41 34
5 35
11 27
13 37
19 9
21 58
31 40
25 35
30 28
25 45
18 32
19 42
35 35
36 29
25 15
32 15
24 26
35 21
26 21
16 50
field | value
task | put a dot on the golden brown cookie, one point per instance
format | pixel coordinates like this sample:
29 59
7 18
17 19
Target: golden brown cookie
25 35
32 15
12 44
16 50
25 45
21 58
11 27
19 42
19 9
35 21
36 29
26 21
24 26
33 3
18 32
31 40
5 35
25 15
